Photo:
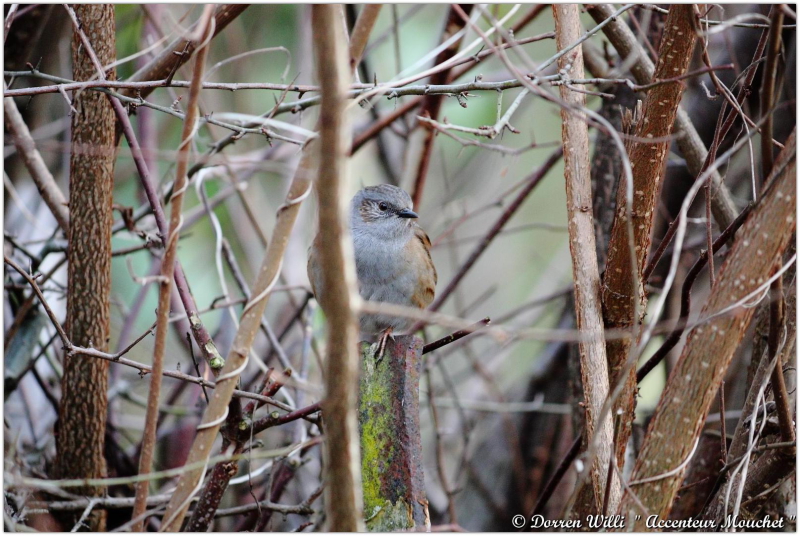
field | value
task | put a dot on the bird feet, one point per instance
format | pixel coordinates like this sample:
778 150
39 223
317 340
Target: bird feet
385 336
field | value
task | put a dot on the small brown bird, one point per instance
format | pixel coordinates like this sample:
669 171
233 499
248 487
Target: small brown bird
392 254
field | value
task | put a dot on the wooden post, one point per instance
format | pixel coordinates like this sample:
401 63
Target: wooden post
391 448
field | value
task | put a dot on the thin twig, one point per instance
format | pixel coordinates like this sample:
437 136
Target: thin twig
42 178
168 267
444 341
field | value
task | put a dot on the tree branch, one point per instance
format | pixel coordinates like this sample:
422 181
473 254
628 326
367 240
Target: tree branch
623 289
685 402
594 367
343 499
42 178
167 271
690 144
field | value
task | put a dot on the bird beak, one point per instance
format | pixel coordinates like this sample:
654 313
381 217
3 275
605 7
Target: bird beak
407 213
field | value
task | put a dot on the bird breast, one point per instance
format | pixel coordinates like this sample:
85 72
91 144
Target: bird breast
384 273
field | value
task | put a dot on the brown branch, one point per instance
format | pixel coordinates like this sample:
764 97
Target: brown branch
42 178
622 288
343 498
453 337
167 272
685 402
594 366
361 31
691 146
724 124
269 421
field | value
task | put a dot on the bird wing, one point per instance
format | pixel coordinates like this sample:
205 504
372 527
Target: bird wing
427 273
313 265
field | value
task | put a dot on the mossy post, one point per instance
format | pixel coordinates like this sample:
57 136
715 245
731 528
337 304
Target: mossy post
391 448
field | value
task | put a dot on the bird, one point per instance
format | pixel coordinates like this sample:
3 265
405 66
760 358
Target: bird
392 257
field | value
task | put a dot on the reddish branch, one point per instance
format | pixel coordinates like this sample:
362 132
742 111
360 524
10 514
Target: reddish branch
724 124
690 144
453 337
623 289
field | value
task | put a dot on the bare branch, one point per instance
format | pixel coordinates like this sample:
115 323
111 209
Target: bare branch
623 287
343 497
691 145
681 412
361 31
594 367
45 183
168 268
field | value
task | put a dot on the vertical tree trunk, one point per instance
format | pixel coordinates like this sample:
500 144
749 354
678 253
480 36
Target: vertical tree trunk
343 497
82 414
623 287
586 275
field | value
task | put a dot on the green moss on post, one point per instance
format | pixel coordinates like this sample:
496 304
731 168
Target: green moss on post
391 449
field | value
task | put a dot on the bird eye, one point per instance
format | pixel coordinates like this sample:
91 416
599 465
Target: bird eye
382 205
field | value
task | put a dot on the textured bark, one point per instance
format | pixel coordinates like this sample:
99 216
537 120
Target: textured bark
82 413
594 367
690 143
622 288
693 384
